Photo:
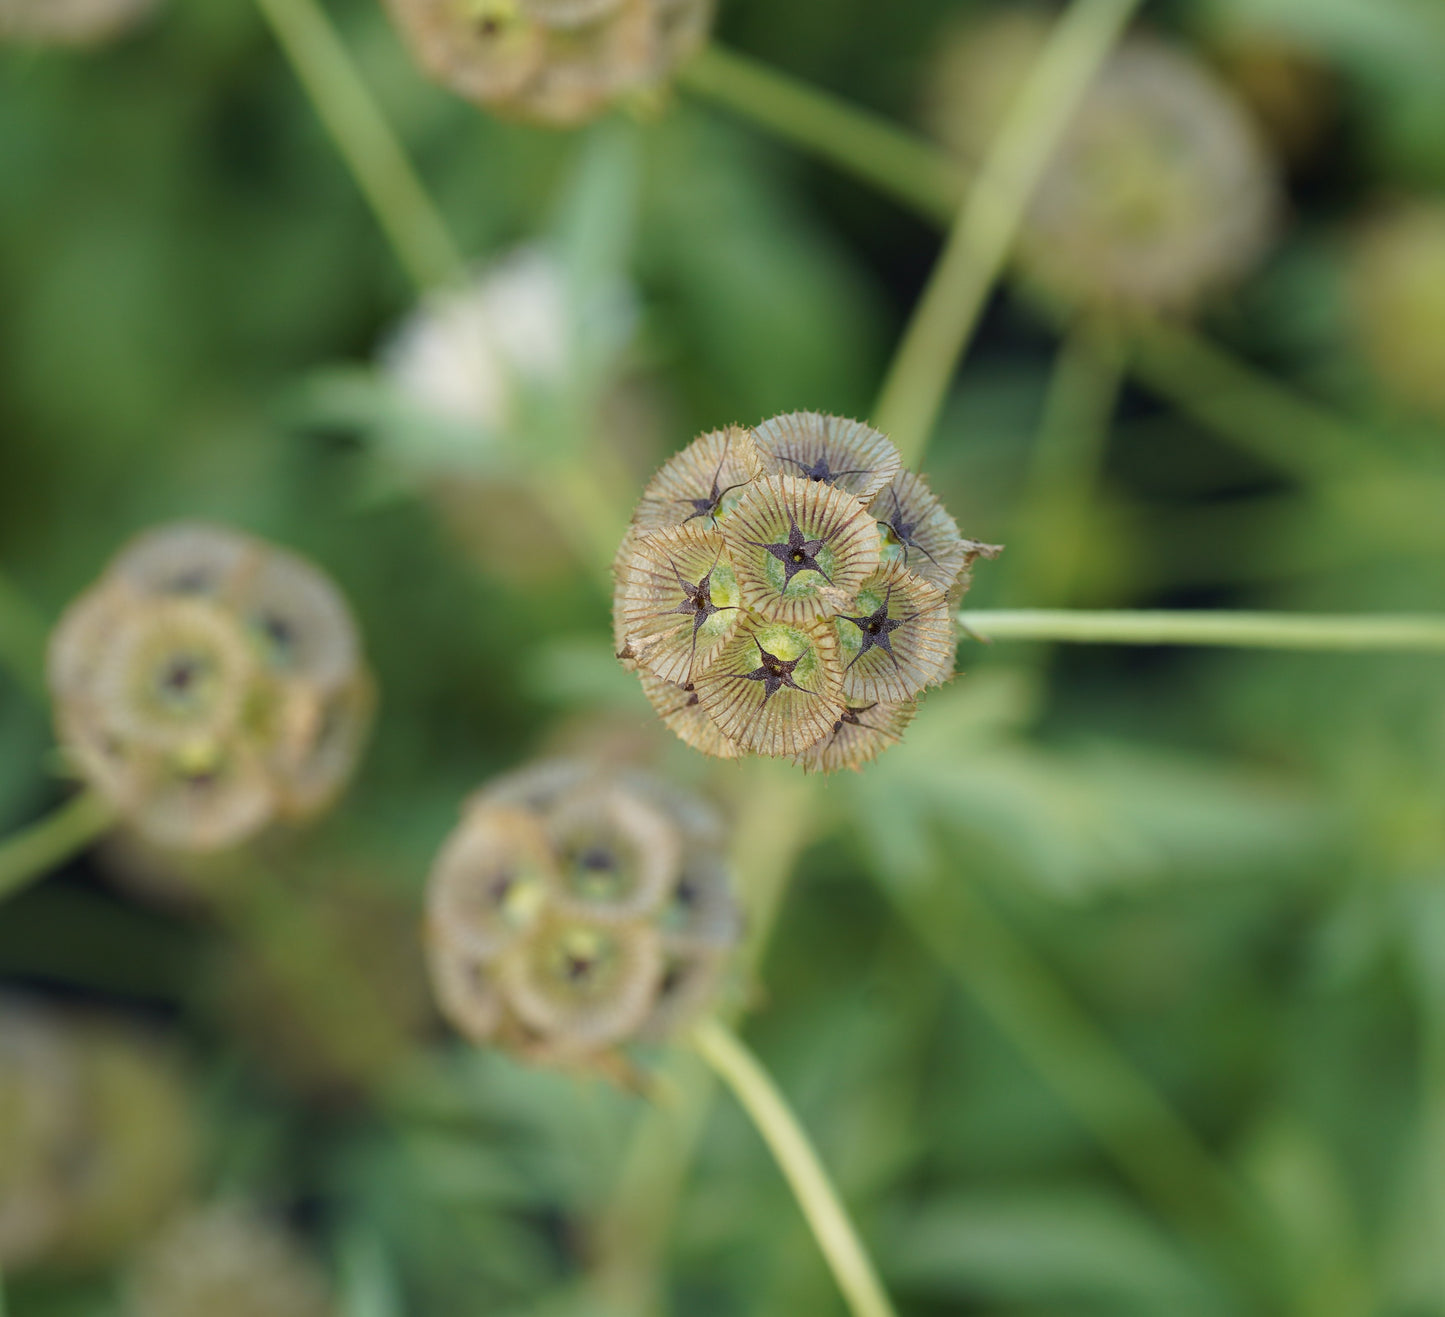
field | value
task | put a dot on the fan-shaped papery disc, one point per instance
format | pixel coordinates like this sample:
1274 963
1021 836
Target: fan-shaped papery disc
831 449
677 600
800 548
682 711
776 687
862 733
896 638
700 483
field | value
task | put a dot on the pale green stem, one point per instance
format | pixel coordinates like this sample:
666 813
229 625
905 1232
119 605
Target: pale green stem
1063 471
417 232
864 144
22 640
1344 632
35 851
824 1210
979 242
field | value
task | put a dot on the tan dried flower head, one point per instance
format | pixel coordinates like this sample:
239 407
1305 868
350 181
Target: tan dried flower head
551 61
574 912
96 1142
227 1260
1397 286
209 684
1131 211
789 591
69 22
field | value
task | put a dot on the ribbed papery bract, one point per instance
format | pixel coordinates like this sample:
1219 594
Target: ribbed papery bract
491 882
586 67
175 672
185 558
618 857
701 911
81 639
484 50
847 454
568 13
302 624
683 27
681 710
319 739
581 983
703 481
462 981
679 601
205 803
919 533
763 712
897 637
537 788
860 735
691 975
783 524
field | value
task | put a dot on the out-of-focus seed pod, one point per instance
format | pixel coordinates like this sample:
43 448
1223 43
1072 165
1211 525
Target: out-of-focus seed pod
209 684
552 61
566 910
228 1260
96 1142
69 22
1128 213
776 585
1397 287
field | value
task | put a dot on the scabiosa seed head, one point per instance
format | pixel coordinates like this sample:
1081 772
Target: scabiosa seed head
69 22
227 1260
779 585
573 913
96 1140
551 61
1128 212
209 684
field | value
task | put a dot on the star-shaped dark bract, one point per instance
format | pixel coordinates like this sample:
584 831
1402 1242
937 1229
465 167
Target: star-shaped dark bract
773 672
877 627
696 600
797 554
709 506
821 473
903 531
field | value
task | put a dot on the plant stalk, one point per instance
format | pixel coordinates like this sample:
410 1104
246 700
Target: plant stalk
983 233
721 1048
35 851
1397 633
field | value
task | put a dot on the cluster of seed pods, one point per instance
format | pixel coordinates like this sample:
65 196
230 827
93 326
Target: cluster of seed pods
1128 212
95 1138
789 591
209 684
69 22
551 61
574 912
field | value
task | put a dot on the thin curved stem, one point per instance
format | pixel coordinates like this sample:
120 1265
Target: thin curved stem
861 143
38 849
1398 633
979 242
824 1210
345 106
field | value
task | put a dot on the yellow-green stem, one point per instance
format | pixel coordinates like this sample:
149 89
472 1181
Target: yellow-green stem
796 1158
417 232
37 850
1398 633
978 244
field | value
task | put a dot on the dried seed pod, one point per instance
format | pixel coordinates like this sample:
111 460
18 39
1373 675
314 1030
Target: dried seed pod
484 50
208 684
776 687
227 1260
677 600
1127 213
69 22
557 908
900 639
862 732
701 483
800 548
680 709
831 450
568 13
918 532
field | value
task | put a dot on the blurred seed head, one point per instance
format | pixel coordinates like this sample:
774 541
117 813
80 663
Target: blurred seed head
1162 191
209 684
551 61
574 912
96 1140
789 591
1397 286
227 1260
69 22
